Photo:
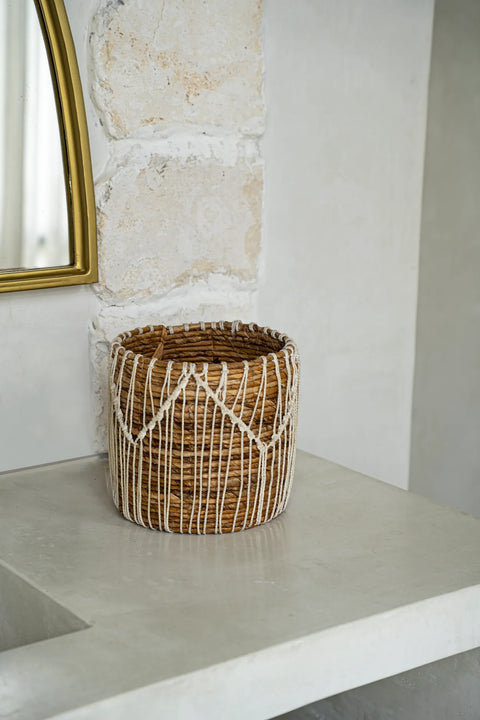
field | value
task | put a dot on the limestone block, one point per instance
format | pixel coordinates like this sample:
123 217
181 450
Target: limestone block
161 65
167 222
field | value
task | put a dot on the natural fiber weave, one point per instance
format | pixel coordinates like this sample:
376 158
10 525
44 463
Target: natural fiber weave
202 425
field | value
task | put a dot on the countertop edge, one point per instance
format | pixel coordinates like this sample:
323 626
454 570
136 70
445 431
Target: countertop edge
283 677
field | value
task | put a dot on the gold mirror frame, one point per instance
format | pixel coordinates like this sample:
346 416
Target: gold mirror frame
76 161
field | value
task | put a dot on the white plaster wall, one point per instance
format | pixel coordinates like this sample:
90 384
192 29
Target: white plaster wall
445 457
46 404
346 93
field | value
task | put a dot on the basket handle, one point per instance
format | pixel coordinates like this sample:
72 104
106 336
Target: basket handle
159 350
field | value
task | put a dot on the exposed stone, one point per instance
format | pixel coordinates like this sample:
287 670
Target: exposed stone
166 222
178 90
164 65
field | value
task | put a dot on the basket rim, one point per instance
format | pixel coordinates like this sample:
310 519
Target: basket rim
289 346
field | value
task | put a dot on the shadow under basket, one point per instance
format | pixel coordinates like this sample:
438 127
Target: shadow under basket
202 425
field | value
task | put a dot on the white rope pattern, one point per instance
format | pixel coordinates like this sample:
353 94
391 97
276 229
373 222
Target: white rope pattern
276 452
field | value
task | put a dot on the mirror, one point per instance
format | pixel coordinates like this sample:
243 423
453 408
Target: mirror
47 208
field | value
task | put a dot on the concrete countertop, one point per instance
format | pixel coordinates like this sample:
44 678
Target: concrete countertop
355 582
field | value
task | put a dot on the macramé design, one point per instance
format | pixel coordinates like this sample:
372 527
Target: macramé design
202 425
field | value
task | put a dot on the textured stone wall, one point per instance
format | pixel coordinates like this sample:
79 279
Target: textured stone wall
178 90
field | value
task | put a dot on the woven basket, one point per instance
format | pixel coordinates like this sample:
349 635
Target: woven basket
202 425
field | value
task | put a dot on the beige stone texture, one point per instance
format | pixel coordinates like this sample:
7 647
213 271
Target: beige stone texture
173 222
164 65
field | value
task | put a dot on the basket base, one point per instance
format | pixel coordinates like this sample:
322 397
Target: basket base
188 523
178 531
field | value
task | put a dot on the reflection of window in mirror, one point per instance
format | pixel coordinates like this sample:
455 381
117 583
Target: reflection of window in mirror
33 209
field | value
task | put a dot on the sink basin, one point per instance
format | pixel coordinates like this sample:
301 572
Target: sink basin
28 615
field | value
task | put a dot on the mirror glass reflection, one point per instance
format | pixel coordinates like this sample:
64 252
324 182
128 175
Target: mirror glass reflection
33 203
